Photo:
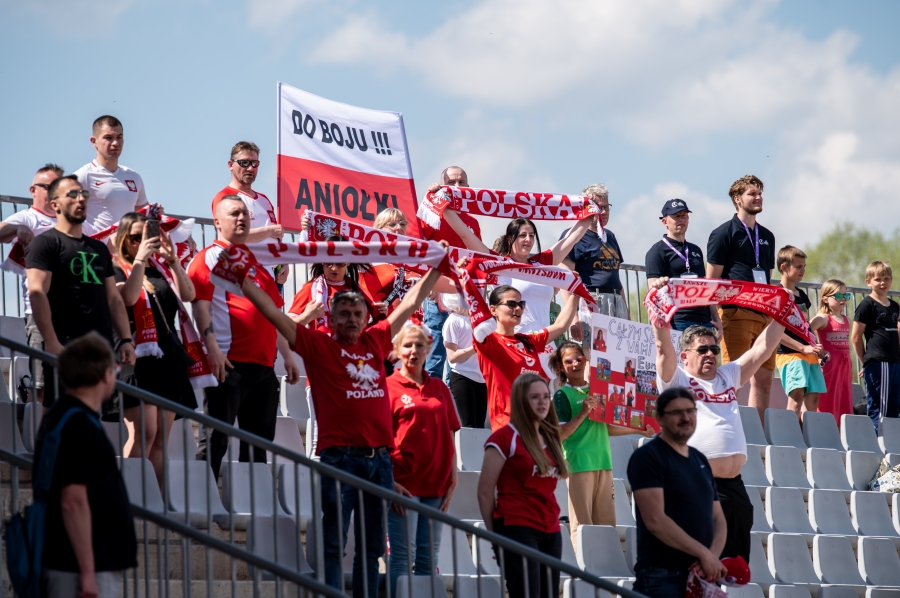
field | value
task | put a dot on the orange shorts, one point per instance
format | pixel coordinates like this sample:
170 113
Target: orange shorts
740 328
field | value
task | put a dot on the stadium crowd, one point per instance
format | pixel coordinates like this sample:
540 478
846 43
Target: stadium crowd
383 340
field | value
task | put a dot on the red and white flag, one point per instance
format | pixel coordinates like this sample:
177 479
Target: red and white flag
340 160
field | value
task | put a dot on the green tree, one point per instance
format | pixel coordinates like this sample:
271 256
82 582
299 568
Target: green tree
845 251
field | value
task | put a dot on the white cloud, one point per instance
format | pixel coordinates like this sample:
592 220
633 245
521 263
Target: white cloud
268 15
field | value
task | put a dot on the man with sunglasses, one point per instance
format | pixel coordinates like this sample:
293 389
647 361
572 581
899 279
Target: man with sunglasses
71 282
115 189
21 228
719 434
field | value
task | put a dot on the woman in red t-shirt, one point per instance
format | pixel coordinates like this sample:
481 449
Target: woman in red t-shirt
523 462
504 354
423 457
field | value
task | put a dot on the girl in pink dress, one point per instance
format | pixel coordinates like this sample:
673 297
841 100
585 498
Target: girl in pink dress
833 328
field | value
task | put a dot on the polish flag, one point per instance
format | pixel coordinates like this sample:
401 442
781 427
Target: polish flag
341 160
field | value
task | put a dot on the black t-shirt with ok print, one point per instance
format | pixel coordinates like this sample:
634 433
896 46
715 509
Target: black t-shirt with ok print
79 269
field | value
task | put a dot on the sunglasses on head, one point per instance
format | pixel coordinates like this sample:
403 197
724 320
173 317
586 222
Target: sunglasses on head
247 163
842 296
704 349
514 304
74 193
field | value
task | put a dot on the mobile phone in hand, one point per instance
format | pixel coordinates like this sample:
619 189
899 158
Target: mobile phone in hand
152 228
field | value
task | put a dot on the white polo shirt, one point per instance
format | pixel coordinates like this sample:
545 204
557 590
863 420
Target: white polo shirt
38 222
113 194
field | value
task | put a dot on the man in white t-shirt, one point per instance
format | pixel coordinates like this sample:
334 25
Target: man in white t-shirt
21 228
244 166
720 434
115 189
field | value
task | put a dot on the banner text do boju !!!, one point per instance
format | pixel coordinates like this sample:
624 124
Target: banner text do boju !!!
341 160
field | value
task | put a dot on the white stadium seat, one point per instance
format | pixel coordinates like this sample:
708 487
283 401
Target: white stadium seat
785 469
879 564
599 551
834 561
889 440
783 429
624 517
895 510
631 548
750 590
287 434
793 591
115 431
238 490
786 512
753 430
862 467
470 448
483 554
759 569
290 478
858 434
422 586
181 442
465 567
838 592
141 484
820 431
271 537
621 452
293 400
828 513
464 503
789 559
760 522
30 424
870 515
562 497
825 469
201 489
753 473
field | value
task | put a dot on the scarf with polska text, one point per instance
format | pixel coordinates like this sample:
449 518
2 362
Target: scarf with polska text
680 293
505 204
146 334
481 268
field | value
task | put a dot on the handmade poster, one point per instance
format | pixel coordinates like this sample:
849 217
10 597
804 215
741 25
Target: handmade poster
623 372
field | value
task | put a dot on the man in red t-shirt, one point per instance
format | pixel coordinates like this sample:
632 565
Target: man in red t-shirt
434 317
347 381
240 342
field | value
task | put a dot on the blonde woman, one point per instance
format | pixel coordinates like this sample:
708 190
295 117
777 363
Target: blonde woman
523 462
833 328
423 458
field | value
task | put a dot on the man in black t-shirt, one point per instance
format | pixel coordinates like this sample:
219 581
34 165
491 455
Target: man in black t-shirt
742 249
71 282
679 518
674 257
89 536
877 318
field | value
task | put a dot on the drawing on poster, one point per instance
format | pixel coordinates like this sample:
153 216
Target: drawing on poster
623 357
603 369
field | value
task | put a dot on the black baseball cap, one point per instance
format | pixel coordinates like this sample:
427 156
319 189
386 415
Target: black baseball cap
673 206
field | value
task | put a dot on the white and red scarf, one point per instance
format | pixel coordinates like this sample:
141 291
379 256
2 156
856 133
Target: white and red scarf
146 334
504 204
680 293
482 268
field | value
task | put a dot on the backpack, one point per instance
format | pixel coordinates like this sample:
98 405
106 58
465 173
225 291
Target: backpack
25 532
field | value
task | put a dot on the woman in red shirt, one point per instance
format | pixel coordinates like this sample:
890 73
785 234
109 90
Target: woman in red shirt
423 457
523 462
505 354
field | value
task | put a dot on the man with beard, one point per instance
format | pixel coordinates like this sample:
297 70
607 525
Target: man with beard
71 282
719 434
741 249
679 516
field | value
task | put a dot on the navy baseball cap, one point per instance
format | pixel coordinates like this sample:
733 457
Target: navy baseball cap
673 206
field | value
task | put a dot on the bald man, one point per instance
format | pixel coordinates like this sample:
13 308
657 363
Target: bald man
240 342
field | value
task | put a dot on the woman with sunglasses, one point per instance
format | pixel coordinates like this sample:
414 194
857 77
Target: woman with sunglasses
585 441
151 282
505 353
517 244
523 462
833 328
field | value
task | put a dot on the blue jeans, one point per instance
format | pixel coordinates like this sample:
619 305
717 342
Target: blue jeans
421 557
882 390
657 582
434 319
377 470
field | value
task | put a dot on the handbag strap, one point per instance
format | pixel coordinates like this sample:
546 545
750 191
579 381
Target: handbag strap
161 311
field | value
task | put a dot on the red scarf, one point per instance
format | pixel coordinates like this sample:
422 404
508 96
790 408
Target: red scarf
679 293
146 334
504 204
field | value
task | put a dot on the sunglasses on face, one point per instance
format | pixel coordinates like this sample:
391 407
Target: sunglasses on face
136 238
842 296
247 163
74 193
43 186
514 304
704 349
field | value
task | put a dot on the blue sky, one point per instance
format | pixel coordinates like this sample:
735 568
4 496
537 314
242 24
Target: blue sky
656 99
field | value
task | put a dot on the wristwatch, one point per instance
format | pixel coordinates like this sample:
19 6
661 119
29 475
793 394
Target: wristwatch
122 341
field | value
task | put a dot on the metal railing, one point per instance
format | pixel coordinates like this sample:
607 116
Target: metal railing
172 528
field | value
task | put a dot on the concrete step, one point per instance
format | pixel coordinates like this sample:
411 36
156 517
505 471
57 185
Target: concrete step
199 589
